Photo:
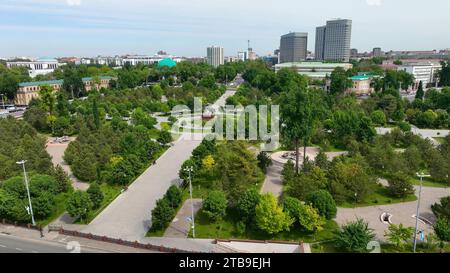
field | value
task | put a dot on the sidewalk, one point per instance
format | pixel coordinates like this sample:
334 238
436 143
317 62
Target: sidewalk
180 226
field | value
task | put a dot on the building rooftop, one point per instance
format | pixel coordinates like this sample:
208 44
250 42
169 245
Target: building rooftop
314 64
51 82
360 77
167 62
25 84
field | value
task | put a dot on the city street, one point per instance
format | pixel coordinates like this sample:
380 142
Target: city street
11 244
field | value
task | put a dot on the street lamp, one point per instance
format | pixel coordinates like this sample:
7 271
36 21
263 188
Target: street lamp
191 169
28 190
421 175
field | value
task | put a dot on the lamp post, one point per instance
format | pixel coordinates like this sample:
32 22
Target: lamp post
28 190
191 169
421 175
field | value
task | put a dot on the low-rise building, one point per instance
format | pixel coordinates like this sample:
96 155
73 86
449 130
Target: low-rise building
30 90
315 70
425 72
360 85
40 66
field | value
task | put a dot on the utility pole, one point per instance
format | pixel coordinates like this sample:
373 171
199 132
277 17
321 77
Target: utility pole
30 208
421 175
191 169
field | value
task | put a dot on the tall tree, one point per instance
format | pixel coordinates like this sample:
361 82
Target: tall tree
96 113
444 74
420 93
339 81
297 118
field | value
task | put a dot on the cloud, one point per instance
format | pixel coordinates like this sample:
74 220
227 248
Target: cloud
73 2
372 3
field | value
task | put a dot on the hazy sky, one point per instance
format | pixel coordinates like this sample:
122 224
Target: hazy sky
186 27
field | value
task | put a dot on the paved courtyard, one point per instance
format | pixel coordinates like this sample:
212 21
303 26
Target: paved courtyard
401 213
56 151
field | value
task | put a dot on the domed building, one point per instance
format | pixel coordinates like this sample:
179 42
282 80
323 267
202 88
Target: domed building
167 62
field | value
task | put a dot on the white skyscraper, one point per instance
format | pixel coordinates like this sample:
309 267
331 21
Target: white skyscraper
333 41
214 55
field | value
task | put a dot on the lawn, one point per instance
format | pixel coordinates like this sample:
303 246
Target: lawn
227 229
429 182
380 196
441 140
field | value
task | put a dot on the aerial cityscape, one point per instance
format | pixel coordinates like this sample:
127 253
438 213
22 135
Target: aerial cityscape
312 137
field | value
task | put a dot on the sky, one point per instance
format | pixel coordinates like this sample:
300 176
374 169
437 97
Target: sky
58 28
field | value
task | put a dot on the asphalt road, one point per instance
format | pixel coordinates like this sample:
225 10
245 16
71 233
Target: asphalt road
12 244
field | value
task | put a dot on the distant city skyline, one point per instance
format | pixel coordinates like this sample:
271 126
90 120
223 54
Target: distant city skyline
185 28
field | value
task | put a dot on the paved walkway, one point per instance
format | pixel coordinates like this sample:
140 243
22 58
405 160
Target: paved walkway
180 226
129 216
401 213
429 134
56 151
274 182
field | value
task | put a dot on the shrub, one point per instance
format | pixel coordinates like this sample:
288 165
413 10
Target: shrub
162 214
79 204
95 195
399 185
442 229
270 217
323 202
354 237
264 161
173 196
247 204
215 205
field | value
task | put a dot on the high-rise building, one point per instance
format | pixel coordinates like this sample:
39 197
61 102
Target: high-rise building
376 52
333 40
214 56
293 47
320 43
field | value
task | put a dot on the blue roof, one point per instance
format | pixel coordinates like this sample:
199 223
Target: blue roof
360 77
167 62
25 84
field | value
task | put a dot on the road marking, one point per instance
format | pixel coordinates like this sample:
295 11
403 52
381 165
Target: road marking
34 251
2 246
18 249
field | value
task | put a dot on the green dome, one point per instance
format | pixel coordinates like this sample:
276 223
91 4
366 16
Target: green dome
167 62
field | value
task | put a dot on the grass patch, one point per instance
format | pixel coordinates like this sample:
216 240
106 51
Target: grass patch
380 196
429 182
441 140
227 229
